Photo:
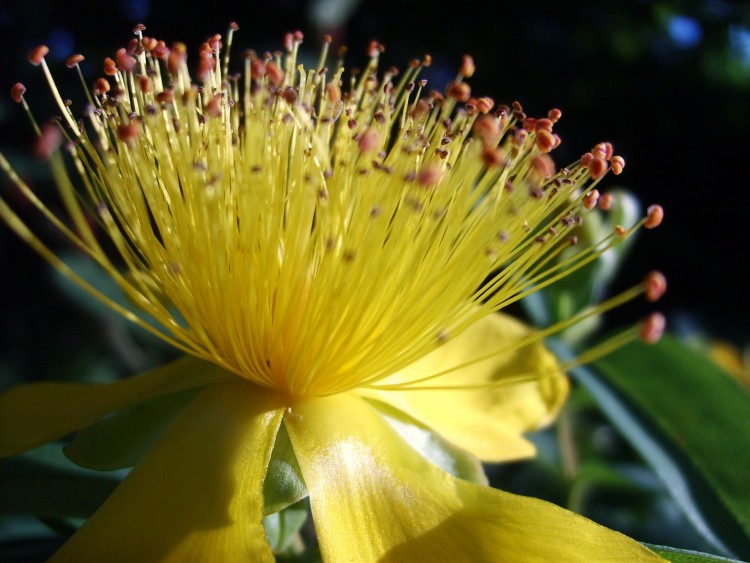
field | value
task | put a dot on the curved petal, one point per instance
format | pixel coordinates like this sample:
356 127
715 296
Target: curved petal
37 413
373 496
198 494
487 422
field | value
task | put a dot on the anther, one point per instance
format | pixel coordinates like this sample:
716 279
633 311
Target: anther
110 67
429 175
543 165
127 132
652 328
554 115
101 86
74 60
274 73
590 199
620 231
618 163
36 56
655 216
17 92
605 202
368 141
655 285
597 167
467 66
459 91
545 140
125 61
374 49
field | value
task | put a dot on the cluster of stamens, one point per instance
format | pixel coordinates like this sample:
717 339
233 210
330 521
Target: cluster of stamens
310 230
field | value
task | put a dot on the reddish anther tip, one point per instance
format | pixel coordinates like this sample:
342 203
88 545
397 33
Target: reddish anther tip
545 140
73 60
101 86
333 92
543 123
493 156
467 66
48 142
618 163
655 285
605 202
213 108
459 91
603 150
597 167
554 115
586 159
17 92
327 39
543 165
274 73
374 49
234 26
110 67
487 129
369 141
652 328
125 61
37 54
138 28
127 132
485 104
429 175
655 216
590 199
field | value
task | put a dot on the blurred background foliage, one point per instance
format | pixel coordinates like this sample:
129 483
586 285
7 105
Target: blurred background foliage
667 82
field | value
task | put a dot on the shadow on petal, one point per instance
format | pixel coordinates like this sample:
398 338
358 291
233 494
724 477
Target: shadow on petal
197 495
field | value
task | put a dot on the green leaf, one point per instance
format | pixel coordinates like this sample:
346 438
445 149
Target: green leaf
121 439
687 418
43 483
686 556
702 409
282 526
431 445
283 485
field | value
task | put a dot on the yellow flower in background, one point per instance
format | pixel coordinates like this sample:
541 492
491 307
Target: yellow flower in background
327 248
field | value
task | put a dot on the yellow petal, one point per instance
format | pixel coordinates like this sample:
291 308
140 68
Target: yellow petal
34 414
375 499
487 422
198 494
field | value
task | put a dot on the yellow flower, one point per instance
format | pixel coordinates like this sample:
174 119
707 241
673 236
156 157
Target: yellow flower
321 245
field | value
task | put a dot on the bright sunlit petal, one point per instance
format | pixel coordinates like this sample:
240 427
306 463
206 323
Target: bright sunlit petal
373 496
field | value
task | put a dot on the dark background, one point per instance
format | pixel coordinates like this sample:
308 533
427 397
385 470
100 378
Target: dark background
668 83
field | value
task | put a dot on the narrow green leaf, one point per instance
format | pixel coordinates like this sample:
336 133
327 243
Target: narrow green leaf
670 402
431 445
283 485
43 483
700 407
121 439
686 556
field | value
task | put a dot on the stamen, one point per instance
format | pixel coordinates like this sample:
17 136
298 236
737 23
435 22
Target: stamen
652 328
655 217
